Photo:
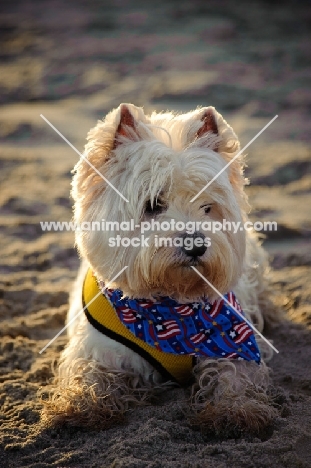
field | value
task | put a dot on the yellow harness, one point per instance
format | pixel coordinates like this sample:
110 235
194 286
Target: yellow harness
102 315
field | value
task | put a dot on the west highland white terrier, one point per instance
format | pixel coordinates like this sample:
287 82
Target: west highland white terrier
162 321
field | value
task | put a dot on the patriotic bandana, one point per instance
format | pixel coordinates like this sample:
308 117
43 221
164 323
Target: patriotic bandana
198 329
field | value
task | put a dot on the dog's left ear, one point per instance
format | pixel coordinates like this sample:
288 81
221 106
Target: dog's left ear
208 129
209 124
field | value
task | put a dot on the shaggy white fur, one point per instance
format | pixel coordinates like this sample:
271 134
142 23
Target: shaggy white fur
159 163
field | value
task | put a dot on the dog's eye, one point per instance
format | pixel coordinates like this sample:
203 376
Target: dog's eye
156 208
207 208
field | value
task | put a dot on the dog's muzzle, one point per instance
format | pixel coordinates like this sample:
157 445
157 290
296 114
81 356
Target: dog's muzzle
194 245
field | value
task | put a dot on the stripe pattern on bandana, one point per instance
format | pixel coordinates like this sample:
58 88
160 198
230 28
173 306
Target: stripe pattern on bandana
198 329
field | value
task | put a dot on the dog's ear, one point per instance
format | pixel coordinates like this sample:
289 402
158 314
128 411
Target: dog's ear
208 129
120 125
209 124
127 125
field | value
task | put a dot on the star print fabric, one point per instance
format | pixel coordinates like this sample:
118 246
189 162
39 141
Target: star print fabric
200 329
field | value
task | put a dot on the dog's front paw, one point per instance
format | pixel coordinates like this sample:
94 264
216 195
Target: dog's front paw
90 395
230 398
79 405
235 416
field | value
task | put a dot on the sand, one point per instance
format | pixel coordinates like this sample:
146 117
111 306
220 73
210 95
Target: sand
73 62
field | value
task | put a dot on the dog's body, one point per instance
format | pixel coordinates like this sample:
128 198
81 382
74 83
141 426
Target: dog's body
159 164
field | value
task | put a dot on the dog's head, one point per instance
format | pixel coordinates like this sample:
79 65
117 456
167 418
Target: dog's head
159 163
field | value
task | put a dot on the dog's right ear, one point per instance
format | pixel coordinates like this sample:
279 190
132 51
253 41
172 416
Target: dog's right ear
127 125
120 126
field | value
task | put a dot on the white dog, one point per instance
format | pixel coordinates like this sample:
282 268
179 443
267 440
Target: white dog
159 321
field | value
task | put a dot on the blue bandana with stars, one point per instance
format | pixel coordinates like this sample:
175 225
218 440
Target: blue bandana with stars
201 329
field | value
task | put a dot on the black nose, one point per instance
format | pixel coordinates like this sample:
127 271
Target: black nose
194 244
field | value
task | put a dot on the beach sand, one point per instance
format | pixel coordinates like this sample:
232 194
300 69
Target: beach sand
73 62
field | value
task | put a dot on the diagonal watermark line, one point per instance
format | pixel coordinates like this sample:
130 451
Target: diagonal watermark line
83 157
236 156
79 313
241 315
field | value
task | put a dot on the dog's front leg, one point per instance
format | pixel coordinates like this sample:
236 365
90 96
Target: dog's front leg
96 383
229 397
88 395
